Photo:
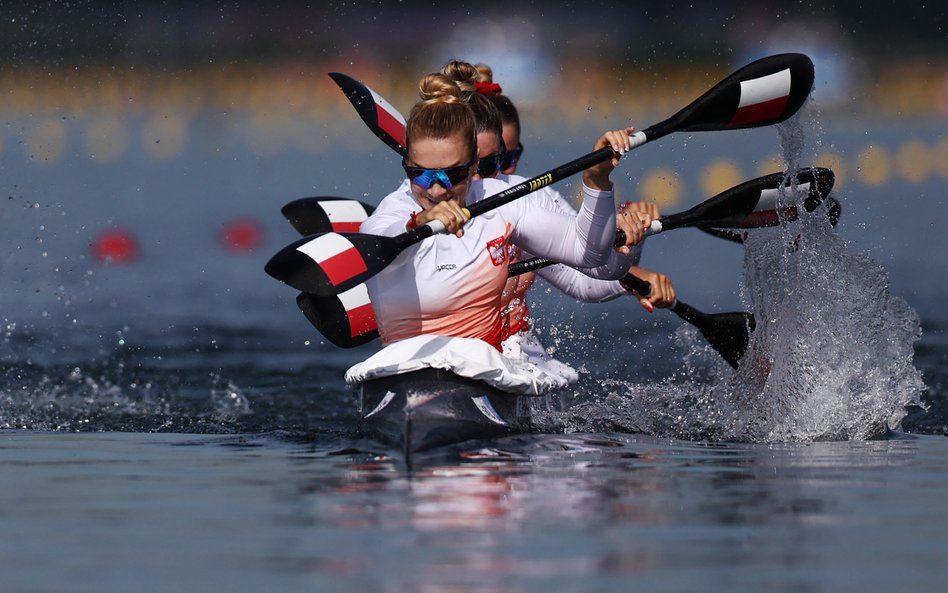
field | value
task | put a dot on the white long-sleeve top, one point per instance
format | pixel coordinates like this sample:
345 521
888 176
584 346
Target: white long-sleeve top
591 285
452 286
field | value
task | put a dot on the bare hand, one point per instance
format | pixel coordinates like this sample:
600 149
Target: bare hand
597 176
663 293
633 224
451 214
641 206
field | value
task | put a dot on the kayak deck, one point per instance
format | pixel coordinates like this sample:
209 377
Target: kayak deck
430 408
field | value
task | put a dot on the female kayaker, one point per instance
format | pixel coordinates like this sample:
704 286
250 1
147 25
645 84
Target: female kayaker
519 341
452 285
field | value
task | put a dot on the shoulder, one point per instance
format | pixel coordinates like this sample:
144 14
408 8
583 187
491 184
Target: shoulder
400 199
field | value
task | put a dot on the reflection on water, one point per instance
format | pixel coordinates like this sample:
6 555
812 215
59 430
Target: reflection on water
531 513
589 512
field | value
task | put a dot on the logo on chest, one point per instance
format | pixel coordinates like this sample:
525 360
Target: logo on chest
497 250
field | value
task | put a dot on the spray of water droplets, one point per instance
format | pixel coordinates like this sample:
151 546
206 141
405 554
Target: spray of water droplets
831 358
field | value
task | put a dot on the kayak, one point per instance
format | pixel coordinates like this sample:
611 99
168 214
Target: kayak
431 391
422 410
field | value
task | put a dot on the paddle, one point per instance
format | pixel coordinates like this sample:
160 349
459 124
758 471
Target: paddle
324 214
348 320
388 124
833 212
384 120
762 93
321 214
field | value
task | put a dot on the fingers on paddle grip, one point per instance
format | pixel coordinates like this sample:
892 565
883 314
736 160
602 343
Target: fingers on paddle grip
631 282
637 139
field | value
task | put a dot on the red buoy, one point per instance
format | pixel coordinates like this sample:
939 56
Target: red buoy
242 235
115 246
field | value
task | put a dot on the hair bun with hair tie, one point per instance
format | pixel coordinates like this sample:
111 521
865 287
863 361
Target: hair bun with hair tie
488 88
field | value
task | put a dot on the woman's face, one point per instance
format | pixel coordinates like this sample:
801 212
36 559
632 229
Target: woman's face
511 140
440 153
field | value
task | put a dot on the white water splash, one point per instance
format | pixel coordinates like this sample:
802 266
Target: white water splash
831 358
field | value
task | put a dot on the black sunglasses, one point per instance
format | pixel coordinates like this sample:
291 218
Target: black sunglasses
512 157
489 165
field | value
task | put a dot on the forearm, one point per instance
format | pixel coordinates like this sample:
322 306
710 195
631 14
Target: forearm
581 287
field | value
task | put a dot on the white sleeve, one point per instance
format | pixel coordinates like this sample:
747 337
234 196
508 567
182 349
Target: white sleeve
584 240
391 215
615 267
581 287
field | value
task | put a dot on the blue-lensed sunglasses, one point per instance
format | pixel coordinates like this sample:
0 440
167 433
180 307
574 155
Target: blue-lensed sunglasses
448 177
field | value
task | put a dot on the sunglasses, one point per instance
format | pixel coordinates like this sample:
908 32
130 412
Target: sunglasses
512 157
448 177
489 165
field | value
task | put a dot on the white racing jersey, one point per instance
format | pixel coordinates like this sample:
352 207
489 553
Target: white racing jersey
452 286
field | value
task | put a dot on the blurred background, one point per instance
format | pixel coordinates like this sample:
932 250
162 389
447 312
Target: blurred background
146 147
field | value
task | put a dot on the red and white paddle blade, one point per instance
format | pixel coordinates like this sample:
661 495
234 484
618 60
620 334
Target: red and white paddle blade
779 202
761 93
382 118
331 263
347 320
324 214
345 216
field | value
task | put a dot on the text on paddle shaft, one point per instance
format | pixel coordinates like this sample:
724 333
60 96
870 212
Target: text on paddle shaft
541 181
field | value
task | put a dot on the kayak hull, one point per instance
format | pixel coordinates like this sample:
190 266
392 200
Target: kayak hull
421 410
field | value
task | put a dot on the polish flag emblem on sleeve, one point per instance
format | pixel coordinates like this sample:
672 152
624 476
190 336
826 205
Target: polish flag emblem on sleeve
762 98
497 250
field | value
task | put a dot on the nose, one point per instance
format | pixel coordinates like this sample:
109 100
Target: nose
437 191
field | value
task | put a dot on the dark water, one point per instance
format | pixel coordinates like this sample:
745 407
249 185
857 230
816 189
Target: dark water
175 423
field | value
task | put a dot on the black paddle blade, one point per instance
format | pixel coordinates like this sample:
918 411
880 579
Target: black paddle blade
725 209
346 320
324 214
776 205
761 93
384 120
777 202
332 263
728 333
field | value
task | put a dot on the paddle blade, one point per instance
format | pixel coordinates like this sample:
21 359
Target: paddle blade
332 263
325 214
727 333
346 320
730 207
384 120
781 194
762 93
778 203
